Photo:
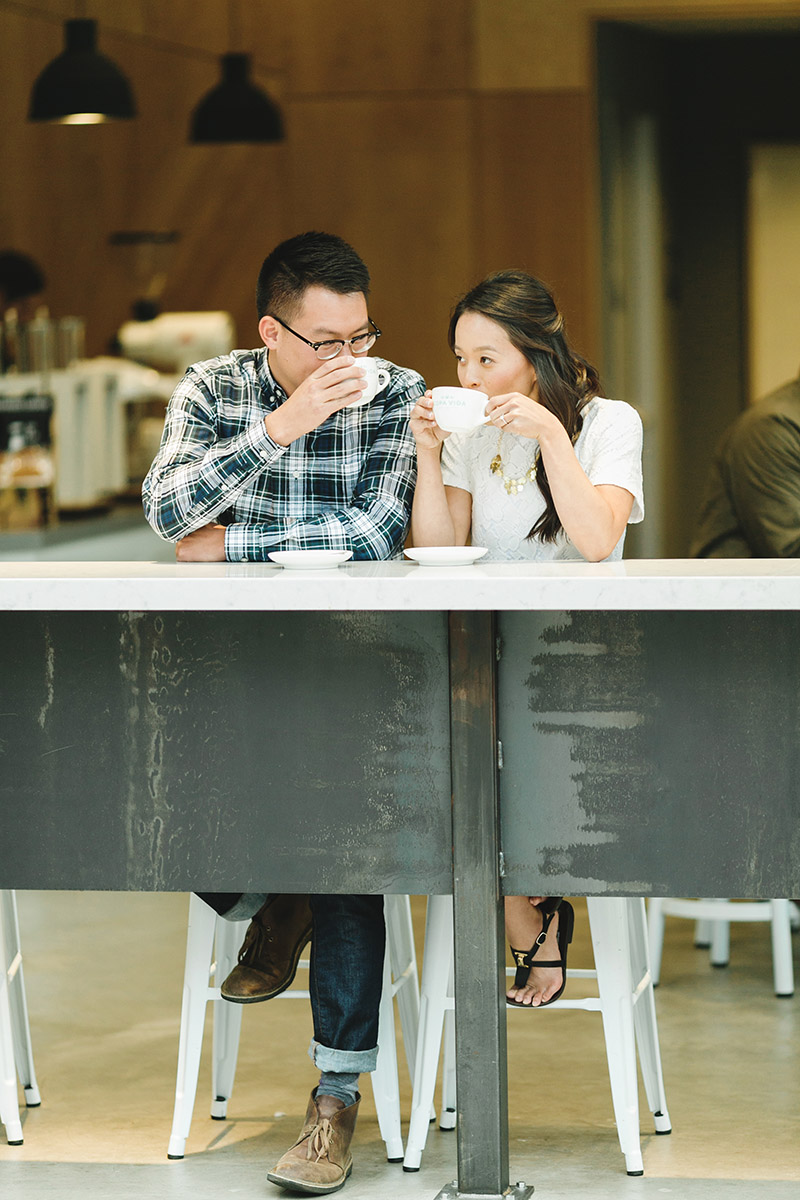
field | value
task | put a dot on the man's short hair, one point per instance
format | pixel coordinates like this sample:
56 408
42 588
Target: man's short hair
20 277
307 260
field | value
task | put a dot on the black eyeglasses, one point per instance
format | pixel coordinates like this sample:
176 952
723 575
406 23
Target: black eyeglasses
329 349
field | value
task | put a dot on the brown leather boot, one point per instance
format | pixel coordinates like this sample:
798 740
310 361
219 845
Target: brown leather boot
270 951
320 1160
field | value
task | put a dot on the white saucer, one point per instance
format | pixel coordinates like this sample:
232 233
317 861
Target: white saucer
309 560
446 556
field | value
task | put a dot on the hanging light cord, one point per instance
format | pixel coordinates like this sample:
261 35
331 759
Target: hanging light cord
145 39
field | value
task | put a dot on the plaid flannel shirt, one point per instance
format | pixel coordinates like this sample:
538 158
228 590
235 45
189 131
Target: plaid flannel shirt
346 485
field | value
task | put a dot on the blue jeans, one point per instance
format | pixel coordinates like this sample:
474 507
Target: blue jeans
346 974
346 978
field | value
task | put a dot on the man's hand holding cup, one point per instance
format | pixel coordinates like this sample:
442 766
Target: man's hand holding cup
334 385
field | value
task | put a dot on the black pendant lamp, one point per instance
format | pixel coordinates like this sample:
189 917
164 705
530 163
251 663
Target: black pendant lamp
81 86
236 110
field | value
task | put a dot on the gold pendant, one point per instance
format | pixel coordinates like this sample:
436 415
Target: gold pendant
512 486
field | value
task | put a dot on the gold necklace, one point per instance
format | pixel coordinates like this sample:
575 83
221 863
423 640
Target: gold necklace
511 485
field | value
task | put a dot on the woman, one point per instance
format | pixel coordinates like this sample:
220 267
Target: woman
554 475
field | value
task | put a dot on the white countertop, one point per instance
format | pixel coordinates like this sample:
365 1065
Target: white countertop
689 584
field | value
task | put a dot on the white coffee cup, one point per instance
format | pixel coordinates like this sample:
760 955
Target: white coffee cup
459 409
376 380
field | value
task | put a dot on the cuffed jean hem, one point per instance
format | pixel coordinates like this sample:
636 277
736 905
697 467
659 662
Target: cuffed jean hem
246 906
327 1058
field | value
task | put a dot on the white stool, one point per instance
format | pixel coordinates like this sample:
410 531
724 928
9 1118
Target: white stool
16 1055
205 929
713 930
619 939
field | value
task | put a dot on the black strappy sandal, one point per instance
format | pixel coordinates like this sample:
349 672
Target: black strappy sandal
525 959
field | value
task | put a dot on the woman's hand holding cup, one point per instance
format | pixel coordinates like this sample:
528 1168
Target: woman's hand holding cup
426 432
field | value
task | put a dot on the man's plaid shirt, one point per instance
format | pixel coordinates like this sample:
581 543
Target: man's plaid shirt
346 485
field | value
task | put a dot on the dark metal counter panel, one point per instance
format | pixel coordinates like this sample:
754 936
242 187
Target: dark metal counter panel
650 753
226 752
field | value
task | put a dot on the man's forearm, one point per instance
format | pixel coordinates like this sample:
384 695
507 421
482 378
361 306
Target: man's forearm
372 531
181 498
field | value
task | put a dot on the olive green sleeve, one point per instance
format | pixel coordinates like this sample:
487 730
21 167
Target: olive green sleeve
763 477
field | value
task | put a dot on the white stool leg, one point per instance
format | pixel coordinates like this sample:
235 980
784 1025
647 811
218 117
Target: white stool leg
644 1017
403 958
782 948
436 970
385 1084
447 1116
702 934
9 1103
655 927
609 926
227 1018
199 948
20 1026
720 954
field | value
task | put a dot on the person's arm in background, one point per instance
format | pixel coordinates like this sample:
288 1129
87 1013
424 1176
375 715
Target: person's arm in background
763 479
717 532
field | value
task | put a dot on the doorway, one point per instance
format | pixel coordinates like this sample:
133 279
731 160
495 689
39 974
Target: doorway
680 113
773 266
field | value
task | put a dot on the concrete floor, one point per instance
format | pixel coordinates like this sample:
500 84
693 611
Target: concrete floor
103 975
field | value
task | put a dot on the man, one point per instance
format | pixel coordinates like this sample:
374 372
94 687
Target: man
752 505
260 452
21 284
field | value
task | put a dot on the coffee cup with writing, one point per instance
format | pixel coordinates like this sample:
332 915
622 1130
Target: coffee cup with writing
377 378
458 409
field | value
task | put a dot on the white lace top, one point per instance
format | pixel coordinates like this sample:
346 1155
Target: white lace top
609 449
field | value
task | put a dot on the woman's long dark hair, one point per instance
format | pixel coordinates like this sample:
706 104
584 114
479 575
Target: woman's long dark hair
525 308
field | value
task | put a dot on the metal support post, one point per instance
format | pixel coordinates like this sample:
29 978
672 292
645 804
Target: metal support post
481 1062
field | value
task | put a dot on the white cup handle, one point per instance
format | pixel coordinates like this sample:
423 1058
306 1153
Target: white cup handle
383 378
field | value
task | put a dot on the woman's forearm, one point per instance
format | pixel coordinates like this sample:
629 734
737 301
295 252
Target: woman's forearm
431 521
589 521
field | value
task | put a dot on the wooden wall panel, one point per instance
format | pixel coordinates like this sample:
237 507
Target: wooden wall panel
394 179
266 34
31 170
66 189
203 25
535 197
58 10
224 201
549 44
211 27
386 145
524 44
364 46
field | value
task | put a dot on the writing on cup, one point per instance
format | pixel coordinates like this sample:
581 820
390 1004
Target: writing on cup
458 409
376 380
